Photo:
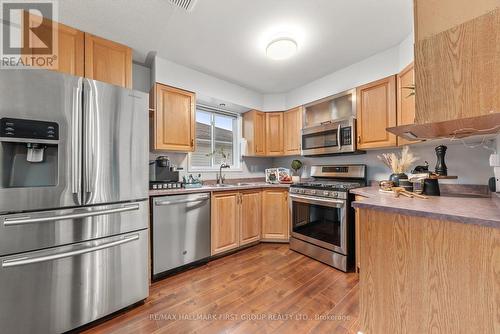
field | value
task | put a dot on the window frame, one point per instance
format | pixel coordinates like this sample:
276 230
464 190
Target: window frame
236 166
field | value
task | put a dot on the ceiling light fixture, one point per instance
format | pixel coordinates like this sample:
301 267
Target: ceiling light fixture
281 48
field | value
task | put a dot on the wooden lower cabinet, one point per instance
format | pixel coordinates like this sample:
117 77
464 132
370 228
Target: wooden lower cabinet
240 218
236 219
250 216
225 221
275 216
423 275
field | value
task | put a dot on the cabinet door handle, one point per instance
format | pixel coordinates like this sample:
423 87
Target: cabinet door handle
192 142
359 139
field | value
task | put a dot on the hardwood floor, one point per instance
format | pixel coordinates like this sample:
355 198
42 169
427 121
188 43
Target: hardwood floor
263 289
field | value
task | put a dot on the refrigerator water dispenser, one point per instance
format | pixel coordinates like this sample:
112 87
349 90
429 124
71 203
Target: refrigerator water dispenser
28 153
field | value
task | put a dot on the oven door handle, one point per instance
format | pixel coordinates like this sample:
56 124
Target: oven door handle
336 203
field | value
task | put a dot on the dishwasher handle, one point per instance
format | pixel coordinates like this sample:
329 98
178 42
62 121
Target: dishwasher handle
182 201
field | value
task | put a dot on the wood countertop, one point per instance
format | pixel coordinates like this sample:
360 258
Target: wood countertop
484 211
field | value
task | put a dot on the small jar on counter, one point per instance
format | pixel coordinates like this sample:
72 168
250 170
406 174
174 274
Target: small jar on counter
418 186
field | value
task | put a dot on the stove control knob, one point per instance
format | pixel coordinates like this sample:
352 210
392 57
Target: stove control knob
301 191
313 192
335 195
326 193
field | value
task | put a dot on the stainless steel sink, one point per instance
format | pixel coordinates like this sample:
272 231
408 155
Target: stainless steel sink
232 185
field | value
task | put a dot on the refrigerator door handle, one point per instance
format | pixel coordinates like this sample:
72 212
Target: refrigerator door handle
76 152
89 139
31 220
44 258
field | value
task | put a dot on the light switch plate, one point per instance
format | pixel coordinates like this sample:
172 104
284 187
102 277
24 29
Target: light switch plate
495 160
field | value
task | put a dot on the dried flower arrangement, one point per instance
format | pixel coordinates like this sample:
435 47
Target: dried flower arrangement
399 164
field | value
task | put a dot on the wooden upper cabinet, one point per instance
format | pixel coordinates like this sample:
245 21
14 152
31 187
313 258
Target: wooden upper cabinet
69 44
457 71
251 216
225 221
274 134
254 131
71 50
275 217
435 16
173 119
376 111
108 61
292 120
406 99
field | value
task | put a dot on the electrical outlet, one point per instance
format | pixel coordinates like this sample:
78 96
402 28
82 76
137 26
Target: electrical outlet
495 160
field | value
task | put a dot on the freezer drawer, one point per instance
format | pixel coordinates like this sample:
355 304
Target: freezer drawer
58 289
34 230
181 230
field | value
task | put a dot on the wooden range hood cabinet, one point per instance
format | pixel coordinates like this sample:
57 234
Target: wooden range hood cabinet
457 78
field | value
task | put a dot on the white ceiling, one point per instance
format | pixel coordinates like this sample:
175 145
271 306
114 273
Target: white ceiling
227 38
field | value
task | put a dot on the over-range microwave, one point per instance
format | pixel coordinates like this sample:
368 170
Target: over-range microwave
331 137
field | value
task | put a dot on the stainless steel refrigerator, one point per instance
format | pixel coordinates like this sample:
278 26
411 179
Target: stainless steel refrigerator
73 200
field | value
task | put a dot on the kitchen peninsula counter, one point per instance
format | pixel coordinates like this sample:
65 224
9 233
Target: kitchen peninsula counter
477 210
428 265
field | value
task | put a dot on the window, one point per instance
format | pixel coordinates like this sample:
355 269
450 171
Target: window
216 135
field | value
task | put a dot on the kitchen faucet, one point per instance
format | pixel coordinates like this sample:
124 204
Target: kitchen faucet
220 178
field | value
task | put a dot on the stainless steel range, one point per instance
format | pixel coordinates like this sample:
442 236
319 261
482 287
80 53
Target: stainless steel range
322 217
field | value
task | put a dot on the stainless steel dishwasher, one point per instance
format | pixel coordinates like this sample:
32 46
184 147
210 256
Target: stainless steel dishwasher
181 231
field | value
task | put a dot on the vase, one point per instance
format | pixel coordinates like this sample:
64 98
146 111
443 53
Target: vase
395 177
296 178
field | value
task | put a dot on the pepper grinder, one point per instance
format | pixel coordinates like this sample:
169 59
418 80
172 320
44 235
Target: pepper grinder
441 168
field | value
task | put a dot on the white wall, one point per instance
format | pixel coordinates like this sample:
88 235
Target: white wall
274 102
176 75
469 164
141 78
376 67
406 54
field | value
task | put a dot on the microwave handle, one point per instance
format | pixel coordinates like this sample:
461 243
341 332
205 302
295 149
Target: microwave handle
339 144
